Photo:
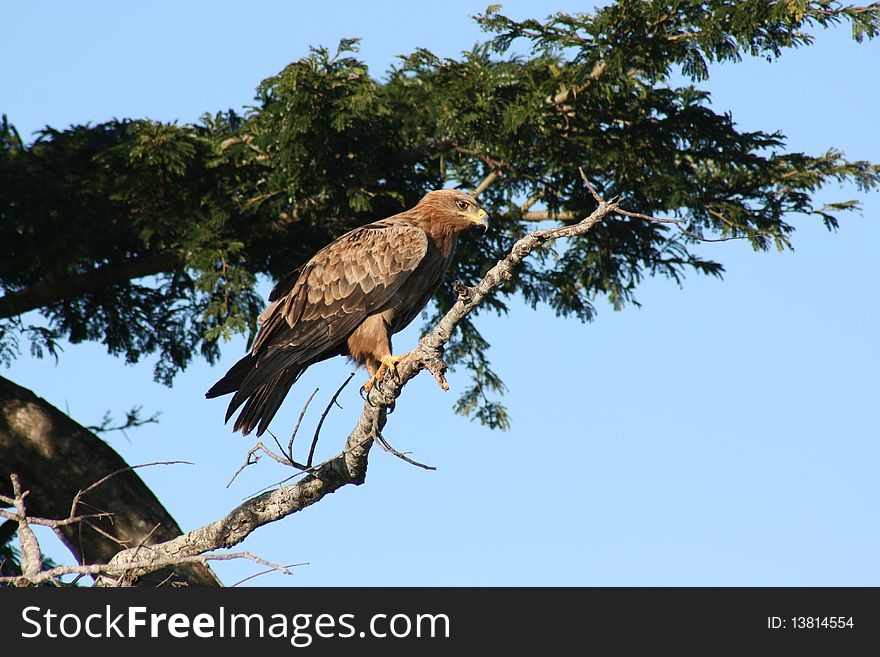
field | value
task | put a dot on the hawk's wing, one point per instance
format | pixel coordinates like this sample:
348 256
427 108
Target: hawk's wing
339 288
311 315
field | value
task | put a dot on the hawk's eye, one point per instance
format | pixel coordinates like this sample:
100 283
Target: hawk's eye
462 205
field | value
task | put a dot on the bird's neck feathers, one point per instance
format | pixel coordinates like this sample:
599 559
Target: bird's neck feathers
442 228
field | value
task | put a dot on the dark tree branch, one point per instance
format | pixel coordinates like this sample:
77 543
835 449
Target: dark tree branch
427 149
53 290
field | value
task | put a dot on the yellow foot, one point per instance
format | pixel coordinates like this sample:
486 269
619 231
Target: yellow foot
388 364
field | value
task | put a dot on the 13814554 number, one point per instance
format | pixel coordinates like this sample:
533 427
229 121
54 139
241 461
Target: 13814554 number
821 622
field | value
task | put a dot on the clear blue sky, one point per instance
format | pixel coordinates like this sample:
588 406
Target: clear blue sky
726 433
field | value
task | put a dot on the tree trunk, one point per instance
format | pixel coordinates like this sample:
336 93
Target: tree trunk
56 458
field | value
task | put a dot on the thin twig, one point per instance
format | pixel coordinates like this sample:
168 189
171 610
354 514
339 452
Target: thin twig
144 540
279 484
321 421
283 460
246 463
303 470
592 189
78 496
252 460
266 572
298 422
731 224
167 579
384 444
110 537
275 438
679 223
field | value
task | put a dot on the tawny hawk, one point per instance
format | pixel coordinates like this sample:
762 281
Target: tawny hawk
348 300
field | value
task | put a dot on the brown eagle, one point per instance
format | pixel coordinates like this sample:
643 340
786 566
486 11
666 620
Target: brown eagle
349 299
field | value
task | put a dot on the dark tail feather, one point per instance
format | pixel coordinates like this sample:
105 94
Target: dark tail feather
233 379
264 403
261 399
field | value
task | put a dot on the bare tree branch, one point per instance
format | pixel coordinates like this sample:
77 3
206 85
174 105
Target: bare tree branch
544 215
54 524
286 458
485 184
118 575
296 427
31 555
267 571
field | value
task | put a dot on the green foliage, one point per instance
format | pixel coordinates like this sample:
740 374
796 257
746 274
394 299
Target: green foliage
123 191
327 147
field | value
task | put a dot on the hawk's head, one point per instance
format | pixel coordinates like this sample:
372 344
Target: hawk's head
455 207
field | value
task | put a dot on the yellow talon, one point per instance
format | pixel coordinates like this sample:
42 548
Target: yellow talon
388 363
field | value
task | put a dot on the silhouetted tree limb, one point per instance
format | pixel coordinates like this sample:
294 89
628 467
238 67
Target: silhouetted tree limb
52 290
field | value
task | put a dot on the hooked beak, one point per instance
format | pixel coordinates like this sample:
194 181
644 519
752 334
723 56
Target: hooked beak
481 219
